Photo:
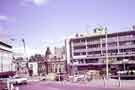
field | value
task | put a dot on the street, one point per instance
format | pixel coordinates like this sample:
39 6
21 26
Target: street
40 85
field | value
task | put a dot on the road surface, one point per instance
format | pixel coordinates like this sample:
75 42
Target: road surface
63 86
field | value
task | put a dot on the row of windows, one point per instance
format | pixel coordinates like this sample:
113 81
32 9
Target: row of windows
77 54
115 51
79 47
81 61
57 68
85 61
92 39
103 45
42 68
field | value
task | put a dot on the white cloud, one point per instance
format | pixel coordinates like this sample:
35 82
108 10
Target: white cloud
35 2
40 2
3 18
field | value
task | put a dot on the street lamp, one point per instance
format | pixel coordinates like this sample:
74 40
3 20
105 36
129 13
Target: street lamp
107 63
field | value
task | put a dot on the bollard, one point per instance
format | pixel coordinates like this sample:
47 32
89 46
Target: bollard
8 85
12 87
104 82
119 81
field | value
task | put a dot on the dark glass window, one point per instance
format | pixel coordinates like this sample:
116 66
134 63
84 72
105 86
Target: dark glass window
76 54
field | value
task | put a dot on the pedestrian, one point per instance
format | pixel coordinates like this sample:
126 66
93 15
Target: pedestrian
12 87
17 88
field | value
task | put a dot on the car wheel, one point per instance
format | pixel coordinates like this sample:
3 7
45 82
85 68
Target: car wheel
25 82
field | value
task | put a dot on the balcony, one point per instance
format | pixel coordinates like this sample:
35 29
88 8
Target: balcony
119 47
93 42
122 55
86 64
119 39
93 49
127 46
79 50
126 38
79 44
121 62
92 56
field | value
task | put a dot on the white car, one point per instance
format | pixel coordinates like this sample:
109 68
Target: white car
18 80
78 78
43 78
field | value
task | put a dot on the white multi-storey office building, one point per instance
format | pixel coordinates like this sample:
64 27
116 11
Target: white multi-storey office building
88 51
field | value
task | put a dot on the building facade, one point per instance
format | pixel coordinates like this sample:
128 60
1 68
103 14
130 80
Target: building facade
56 65
37 65
7 67
88 52
21 66
57 61
60 52
37 68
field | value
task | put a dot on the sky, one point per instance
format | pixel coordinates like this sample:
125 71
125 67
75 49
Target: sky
45 23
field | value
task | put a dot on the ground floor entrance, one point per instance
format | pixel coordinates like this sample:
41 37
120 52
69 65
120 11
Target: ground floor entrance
113 69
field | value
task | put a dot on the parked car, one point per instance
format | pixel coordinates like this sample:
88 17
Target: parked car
18 80
43 78
125 75
77 78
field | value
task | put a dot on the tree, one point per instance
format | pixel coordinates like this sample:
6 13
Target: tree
36 57
48 52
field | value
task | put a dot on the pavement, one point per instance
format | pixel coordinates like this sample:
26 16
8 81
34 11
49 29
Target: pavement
111 83
93 85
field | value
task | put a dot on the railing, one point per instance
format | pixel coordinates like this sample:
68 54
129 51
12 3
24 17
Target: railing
93 42
79 44
80 64
79 50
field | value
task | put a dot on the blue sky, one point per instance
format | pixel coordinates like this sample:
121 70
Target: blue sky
43 21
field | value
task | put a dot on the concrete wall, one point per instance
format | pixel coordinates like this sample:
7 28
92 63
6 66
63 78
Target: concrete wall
6 63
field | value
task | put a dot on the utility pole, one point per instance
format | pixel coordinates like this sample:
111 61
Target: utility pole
25 57
24 45
107 64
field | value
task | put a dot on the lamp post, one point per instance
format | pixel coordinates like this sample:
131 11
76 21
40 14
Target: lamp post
107 63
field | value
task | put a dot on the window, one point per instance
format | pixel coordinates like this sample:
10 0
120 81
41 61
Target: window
31 66
76 41
83 53
79 47
94 46
76 54
82 40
